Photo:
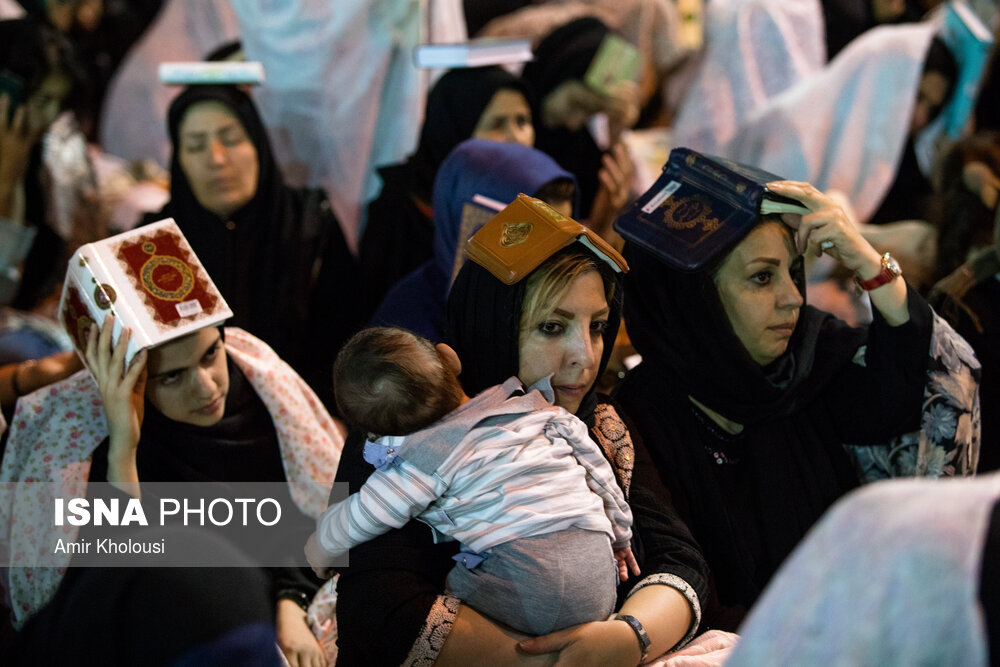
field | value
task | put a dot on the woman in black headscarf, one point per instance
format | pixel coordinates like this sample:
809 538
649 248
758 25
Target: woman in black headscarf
200 408
565 102
481 103
277 254
559 318
746 396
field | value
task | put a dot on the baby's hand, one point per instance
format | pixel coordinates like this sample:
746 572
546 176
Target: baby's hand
317 558
626 561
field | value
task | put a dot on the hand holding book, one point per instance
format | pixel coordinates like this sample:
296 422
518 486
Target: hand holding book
123 395
825 228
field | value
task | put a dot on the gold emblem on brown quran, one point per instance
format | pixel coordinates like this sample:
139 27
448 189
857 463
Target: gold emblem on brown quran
688 213
514 233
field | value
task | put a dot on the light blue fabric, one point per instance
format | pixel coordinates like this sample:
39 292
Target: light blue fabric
889 576
496 171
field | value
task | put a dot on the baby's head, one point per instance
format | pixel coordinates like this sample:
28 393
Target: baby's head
389 381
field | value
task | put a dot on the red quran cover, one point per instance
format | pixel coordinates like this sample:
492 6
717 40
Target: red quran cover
149 278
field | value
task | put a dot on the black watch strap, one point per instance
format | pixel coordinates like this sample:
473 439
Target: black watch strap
640 633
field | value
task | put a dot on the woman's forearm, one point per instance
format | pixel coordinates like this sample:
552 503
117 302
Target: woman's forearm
664 613
889 299
474 638
122 470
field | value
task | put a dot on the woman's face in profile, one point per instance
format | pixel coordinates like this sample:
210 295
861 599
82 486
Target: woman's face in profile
44 105
932 94
188 380
757 291
507 118
218 158
567 343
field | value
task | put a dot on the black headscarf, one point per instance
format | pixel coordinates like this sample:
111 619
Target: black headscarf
564 55
484 318
454 106
791 465
677 323
261 256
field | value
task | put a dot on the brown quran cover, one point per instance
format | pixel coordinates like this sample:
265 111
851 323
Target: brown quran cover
526 233
149 278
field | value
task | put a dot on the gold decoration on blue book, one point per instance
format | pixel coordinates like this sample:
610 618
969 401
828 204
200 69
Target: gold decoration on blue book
699 207
688 213
526 233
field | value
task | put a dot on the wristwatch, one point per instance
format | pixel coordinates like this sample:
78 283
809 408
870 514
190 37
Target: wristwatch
640 633
890 271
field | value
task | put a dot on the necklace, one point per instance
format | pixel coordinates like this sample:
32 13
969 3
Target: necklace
723 438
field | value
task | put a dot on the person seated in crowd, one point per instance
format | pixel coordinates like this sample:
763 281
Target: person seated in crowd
846 19
904 572
747 396
564 103
481 103
964 206
558 316
277 254
537 556
969 297
478 176
39 80
909 196
210 406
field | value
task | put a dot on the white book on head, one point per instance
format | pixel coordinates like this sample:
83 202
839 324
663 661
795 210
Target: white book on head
148 278
193 73
474 53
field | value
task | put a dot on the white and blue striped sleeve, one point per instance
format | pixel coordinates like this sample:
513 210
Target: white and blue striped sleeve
389 499
600 477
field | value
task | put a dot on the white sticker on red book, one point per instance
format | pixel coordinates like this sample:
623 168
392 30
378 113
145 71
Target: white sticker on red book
189 308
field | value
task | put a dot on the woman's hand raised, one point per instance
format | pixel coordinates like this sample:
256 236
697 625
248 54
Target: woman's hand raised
827 229
122 391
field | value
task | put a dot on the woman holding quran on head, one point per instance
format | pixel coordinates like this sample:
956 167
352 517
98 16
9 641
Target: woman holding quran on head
539 296
170 396
583 81
747 397
277 254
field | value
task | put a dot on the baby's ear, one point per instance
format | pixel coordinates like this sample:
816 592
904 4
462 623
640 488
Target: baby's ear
450 358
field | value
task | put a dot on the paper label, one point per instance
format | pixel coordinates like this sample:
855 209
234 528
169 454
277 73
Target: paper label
660 197
189 308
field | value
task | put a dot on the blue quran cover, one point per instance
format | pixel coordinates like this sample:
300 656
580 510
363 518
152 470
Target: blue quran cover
698 206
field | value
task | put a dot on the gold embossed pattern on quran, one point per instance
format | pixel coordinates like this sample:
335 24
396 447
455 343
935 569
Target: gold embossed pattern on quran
689 213
515 233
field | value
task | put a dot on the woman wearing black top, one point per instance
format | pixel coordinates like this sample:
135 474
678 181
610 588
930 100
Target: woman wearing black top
277 254
752 394
481 103
561 320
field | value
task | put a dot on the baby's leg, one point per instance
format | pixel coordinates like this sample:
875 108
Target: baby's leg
544 583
